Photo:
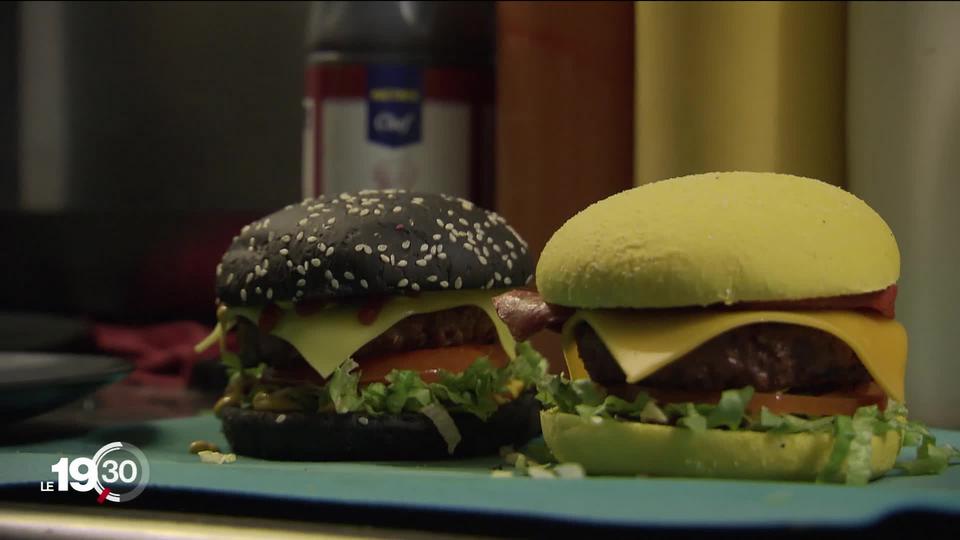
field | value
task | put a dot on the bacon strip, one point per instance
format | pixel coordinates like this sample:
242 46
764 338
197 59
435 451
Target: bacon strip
525 312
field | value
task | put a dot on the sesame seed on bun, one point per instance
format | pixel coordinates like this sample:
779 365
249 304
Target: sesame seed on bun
371 243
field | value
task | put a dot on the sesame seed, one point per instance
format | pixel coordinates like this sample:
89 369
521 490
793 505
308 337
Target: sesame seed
449 212
509 264
397 209
244 229
405 244
219 269
249 277
328 274
442 255
433 249
299 294
432 278
284 251
439 222
253 241
464 222
486 251
444 284
457 283
348 276
482 259
507 280
301 282
329 251
230 277
415 286
359 247
529 279
437 237
322 247
271 235
468 246
403 282
376 211
285 238
334 283
496 247
257 270
311 239
314 215
331 221
302 269
266 264
489 284
243 294
381 248
302 222
498 276
424 247
421 262
428 256
269 293
363 283
289 263
448 226
257 290
453 237
417 200
364 212
509 244
315 262
384 258
402 263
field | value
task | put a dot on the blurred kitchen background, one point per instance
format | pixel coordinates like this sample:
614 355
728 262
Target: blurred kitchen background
136 138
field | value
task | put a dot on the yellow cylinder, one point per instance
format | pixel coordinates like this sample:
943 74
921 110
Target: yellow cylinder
739 86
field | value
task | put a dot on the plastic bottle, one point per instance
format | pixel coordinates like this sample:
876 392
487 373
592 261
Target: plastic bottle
400 95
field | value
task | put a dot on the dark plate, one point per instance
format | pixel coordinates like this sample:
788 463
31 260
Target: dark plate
34 383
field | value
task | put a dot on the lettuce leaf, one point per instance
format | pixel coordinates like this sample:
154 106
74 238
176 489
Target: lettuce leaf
479 390
849 460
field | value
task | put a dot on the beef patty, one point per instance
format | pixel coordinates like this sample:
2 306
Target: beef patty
447 328
768 356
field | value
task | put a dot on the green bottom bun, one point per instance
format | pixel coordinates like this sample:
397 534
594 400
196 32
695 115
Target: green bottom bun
613 447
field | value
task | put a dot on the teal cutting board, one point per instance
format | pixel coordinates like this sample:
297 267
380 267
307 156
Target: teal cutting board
468 486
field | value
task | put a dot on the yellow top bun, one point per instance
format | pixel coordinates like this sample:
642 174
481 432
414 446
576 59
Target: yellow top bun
718 237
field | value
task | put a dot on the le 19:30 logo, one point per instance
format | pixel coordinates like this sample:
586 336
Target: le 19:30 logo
118 472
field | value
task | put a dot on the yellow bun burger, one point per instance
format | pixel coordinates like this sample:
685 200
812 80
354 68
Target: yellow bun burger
732 325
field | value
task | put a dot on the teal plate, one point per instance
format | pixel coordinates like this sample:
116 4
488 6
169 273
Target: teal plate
468 486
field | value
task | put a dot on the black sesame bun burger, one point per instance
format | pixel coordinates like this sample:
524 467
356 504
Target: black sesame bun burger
731 325
365 331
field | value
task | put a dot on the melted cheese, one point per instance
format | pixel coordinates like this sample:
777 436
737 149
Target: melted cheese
643 342
330 336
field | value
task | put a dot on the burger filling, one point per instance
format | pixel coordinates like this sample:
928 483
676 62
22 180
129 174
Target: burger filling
434 363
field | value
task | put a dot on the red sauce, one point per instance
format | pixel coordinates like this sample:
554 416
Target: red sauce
371 309
881 302
269 317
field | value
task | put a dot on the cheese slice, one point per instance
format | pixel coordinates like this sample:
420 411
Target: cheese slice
643 342
330 336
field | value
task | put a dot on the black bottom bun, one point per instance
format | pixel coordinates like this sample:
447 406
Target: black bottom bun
296 436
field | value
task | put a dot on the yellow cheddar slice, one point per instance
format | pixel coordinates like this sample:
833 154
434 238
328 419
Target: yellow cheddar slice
330 336
643 342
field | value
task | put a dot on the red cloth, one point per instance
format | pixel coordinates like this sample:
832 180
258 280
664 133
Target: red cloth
163 353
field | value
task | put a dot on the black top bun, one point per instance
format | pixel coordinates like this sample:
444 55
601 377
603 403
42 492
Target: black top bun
371 243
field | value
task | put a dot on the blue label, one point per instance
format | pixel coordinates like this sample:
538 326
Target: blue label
394 95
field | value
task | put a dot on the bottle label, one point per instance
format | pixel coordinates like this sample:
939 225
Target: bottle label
377 126
393 105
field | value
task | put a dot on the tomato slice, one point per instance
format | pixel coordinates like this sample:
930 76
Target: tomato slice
846 402
428 362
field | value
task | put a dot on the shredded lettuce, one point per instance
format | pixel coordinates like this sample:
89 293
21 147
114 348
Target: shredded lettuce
849 460
479 390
